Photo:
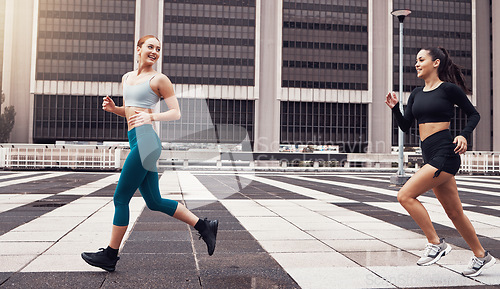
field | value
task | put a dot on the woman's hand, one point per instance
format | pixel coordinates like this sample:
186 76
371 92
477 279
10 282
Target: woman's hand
391 100
139 118
461 142
108 104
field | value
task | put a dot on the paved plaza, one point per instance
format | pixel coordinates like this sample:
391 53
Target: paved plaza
277 230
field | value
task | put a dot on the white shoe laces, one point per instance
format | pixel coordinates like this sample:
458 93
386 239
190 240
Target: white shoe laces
475 263
430 248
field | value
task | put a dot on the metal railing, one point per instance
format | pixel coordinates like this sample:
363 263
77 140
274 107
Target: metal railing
77 157
481 162
111 157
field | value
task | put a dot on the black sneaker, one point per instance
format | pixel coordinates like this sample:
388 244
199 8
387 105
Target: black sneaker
100 259
209 235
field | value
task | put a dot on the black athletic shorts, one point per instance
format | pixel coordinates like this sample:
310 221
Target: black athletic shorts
438 151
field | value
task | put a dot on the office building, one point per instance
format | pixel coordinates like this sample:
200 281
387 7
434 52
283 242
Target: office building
290 72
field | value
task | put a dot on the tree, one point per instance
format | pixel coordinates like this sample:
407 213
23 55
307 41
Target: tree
6 121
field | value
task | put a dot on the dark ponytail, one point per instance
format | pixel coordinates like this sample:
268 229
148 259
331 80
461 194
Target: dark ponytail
448 71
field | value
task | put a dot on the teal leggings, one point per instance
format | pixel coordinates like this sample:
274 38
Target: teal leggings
139 171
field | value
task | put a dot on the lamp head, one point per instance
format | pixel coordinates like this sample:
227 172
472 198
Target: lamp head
401 14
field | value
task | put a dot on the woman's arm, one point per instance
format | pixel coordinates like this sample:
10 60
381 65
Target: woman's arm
109 105
404 121
462 101
166 90
473 117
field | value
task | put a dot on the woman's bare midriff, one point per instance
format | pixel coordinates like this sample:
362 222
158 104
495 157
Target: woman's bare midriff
430 128
130 111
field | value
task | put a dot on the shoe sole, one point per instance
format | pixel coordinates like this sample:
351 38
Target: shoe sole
109 269
485 266
438 257
214 227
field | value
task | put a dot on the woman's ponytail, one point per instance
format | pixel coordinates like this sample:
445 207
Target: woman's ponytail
448 71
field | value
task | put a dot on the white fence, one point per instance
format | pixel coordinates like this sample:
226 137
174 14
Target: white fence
481 162
77 157
110 157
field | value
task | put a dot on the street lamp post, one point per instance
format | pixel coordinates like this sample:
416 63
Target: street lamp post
400 178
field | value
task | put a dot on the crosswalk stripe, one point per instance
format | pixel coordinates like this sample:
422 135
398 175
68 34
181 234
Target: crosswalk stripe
19 175
92 187
48 243
386 192
12 201
459 184
31 179
192 188
299 190
169 186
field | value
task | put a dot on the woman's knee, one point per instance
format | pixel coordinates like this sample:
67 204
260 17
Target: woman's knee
454 213
119 202
122 215
165 205
153 205
403 197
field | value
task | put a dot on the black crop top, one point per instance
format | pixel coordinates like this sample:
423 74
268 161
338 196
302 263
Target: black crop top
437 105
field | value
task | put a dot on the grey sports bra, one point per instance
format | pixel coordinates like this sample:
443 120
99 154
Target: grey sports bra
139 95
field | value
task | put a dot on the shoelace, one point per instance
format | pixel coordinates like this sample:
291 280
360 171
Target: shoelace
475 263
431 248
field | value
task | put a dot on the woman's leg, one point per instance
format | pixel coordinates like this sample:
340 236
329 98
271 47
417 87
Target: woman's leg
422 181
151 193
447 194
131 177
183 214
117 233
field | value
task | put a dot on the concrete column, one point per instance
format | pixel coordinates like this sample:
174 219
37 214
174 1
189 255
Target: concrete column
149 23
267 107
379 75
17 64
495 33
481 70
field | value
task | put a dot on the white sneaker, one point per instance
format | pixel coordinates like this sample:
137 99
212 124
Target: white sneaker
477 265
432 253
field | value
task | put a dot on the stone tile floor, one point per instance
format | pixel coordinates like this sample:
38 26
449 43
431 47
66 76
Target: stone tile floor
293 230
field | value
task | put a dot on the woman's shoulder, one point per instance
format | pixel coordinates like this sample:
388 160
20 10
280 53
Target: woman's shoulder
451 88
449 85
161 82
126 74
416 90
161 78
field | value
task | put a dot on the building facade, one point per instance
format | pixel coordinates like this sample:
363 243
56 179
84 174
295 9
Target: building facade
2 32
290 72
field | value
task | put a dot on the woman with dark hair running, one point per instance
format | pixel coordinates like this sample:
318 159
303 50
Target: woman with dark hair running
142 89
433 107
